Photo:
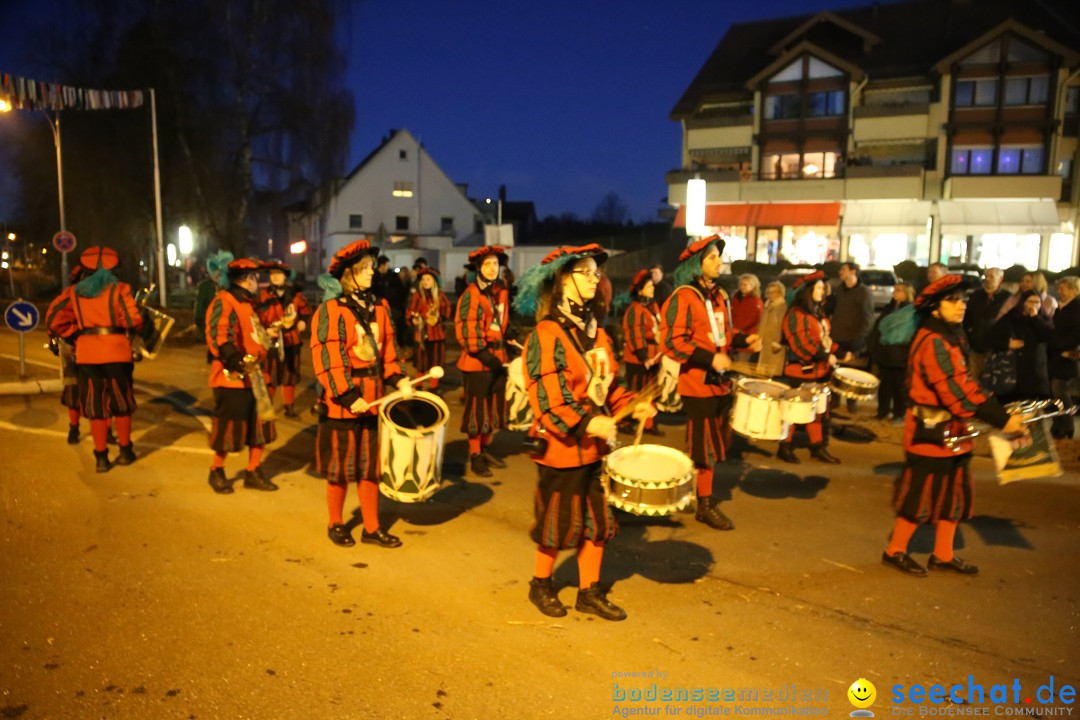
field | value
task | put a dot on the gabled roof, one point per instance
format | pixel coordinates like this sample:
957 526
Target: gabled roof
826 16
371 155
1071 55
791 55
914 36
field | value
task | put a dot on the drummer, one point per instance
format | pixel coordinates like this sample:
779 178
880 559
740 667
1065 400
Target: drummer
483 313
354 356
935 484
428 308
641 349
571 369
63 347
695 332
810 358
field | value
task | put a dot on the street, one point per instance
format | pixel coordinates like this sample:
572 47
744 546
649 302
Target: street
139 593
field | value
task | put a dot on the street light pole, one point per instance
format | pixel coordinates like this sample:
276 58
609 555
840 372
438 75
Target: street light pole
157 203
54 125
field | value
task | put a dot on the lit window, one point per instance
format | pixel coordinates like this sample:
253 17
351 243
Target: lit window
1031 162
959 164
403 189
981 161
1008 161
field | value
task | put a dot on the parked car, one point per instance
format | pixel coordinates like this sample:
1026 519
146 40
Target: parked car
790 276
881 284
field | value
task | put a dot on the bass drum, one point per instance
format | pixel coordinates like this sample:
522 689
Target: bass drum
668 400
412 436
518 411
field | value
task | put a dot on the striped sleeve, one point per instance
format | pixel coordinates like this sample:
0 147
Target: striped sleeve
949 379
635 327
470 322
415 307
678 329
803 336
329 350
549 394
219 326
60 317
444 306
129 311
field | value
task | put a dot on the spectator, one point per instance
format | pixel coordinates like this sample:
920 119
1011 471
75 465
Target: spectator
891 360
1062 351
662 288
602 303
419 264
982 309
853 315
404 286
770 330
934 272
461 282
746 309
1018 368
1032 281
380 282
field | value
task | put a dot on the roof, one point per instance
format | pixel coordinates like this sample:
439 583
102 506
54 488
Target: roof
886 40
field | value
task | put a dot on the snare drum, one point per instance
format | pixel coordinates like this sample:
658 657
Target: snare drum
822 393
756 413
669 400
412 434
518 411
799 406
649 479
854 384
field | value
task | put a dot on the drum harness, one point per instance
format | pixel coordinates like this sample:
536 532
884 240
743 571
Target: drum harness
352 302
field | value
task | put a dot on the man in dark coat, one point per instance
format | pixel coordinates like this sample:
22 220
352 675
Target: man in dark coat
982 309
1062 351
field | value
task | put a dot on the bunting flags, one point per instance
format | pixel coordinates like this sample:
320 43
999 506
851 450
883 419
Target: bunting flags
26 94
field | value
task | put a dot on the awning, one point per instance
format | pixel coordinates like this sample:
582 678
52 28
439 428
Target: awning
766 214
976 217
870 216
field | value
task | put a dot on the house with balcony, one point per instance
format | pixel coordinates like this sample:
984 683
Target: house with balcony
931 130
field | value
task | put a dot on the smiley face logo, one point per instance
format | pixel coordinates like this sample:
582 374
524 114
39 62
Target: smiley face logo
862 693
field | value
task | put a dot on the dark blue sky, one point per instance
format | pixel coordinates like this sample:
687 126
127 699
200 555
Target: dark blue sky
562 101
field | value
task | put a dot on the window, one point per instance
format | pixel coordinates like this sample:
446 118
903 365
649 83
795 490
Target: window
787 166
985 55
971 161
403 154
447 225
782 107
976 93
1026 90
1031 160
356 222
822 104
403 189
1010 161
1020 51
401 222
1072 100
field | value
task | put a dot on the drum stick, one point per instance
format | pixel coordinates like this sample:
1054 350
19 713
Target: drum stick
640 431
515 344
435 372
748 369
646 394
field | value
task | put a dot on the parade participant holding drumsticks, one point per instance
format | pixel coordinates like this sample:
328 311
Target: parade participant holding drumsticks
935 485
428 308
641 348
355 361
810 358
571 370
696 332
483 313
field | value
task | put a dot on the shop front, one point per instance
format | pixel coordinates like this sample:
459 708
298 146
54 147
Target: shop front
802 233
1002 233
883 233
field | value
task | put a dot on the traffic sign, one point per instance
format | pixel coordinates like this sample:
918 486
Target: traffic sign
64 241
21 316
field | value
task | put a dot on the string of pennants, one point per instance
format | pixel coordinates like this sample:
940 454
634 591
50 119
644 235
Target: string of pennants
26 94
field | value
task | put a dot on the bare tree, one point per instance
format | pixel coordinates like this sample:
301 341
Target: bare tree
611 210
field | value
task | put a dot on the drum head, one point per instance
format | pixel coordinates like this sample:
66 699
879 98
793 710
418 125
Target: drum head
650 463
769 388
859 377
416 413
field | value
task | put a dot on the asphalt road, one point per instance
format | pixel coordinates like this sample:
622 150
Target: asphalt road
141 594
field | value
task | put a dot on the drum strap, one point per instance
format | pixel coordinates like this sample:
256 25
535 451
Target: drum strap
362 320
712 315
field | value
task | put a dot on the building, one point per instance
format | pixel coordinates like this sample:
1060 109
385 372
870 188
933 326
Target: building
926 130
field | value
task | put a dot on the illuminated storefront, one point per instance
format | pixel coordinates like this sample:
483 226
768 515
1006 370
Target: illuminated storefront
801 233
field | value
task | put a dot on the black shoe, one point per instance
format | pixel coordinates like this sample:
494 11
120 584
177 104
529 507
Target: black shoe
479 465
542 595
708 512
73 435
110 438
219 482
787 454
101 458
340 535
822 453
290 412
492 460
254 480
381 538
904 563
594 602
956 565
654 431
127 455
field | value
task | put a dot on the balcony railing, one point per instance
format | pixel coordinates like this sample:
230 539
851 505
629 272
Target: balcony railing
891 110
884 171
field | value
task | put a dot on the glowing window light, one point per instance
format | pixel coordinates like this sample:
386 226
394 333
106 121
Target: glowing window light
695 207
298 248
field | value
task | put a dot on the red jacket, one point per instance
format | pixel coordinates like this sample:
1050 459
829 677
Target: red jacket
746 313
809 344
480 322
114 309
641 326
559 372
346 357
686 336
272 307
420 304
232 331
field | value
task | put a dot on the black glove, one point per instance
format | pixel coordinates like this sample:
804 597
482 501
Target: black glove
489 360
231 358
54 346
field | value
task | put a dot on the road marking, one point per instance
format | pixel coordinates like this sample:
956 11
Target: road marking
30 361
135 437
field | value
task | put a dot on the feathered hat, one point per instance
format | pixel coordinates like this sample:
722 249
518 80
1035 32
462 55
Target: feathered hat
349 255
536 278
97 263
689 268
930 298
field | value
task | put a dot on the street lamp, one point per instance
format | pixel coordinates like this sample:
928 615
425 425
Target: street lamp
695 207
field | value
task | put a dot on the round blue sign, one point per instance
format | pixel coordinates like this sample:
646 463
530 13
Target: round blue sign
21 316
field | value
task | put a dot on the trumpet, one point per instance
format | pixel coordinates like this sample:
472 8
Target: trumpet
264 406
1035 409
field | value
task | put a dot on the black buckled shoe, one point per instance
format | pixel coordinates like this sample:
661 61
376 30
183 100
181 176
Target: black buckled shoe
340 535
956 565
127 455
822 453
381 538
542 594
479 465
904 563
73 435
101 460
254 480
219 482
708 512
493 460
110 437
787 453
594 601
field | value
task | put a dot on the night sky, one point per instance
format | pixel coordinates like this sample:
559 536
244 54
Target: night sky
561 101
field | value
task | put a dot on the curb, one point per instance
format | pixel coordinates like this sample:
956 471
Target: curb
32 387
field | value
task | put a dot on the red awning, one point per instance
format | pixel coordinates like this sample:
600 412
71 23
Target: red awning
766 214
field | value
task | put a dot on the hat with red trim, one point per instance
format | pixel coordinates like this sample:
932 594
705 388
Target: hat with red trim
580 252
240 267
932 295
99 258
476 257
808 278
349 255
533 281
639 281
700 245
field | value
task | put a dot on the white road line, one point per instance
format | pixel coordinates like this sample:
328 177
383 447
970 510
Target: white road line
30 361
134 438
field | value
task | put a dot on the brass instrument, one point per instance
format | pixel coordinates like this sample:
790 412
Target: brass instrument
276 343
156 326
264 406
289 318
1036 410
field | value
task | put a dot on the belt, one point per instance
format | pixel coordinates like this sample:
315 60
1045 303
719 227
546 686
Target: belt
372 371
931 415
103 331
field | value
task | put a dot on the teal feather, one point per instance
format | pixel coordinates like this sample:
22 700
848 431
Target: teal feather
330 286
92 285
689 270
621 302
531 285
217 267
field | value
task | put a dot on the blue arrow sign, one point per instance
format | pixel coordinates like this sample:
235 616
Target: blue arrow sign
21 316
